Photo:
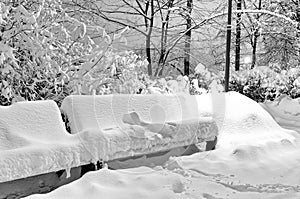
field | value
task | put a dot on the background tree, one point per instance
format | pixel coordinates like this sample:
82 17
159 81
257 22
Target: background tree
188 37
165 25
281 39
238 36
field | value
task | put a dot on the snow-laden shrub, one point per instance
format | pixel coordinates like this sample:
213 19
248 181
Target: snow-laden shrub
203 81
167 85
47 54
39 47
114 73
260 83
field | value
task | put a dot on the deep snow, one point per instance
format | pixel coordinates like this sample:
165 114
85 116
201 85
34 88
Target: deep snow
255 158
285 111
33 139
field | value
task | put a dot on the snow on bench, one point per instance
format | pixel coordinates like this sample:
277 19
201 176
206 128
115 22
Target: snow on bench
130 125
33 141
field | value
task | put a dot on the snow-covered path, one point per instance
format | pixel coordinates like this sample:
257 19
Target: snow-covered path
254 158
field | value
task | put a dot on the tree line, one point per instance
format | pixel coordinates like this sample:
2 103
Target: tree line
49 47
173 30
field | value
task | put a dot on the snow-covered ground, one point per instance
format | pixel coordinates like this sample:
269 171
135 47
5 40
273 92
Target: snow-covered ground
254 158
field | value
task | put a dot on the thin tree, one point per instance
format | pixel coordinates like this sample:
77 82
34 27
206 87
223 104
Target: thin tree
188 36
228 41
238 36
164 35
255 38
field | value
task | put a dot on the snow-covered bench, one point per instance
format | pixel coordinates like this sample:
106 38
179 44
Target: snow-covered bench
131 125
33 141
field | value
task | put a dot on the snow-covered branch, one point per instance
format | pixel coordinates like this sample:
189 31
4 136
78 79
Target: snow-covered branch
207 19
267 12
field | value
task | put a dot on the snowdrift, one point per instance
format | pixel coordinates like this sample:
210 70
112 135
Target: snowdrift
242 121
254 158
285 111
142 183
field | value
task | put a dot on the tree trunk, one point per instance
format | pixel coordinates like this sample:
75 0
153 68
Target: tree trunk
238 36
163 47
148 38
148 54
188 35
255 38
159 70
298 28
164 39
228 41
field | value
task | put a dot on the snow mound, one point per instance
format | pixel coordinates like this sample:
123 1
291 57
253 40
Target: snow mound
285 111
33 141
130 125
241 121
125 184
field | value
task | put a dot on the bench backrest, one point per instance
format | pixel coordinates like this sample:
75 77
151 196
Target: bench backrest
23 122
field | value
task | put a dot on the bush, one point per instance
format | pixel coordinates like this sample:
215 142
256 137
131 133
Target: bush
203 81
259 84
262 83
38 51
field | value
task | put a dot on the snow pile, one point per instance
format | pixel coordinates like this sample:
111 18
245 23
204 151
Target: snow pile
130 125
241 121
255 158
285 111
33 141
140 182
